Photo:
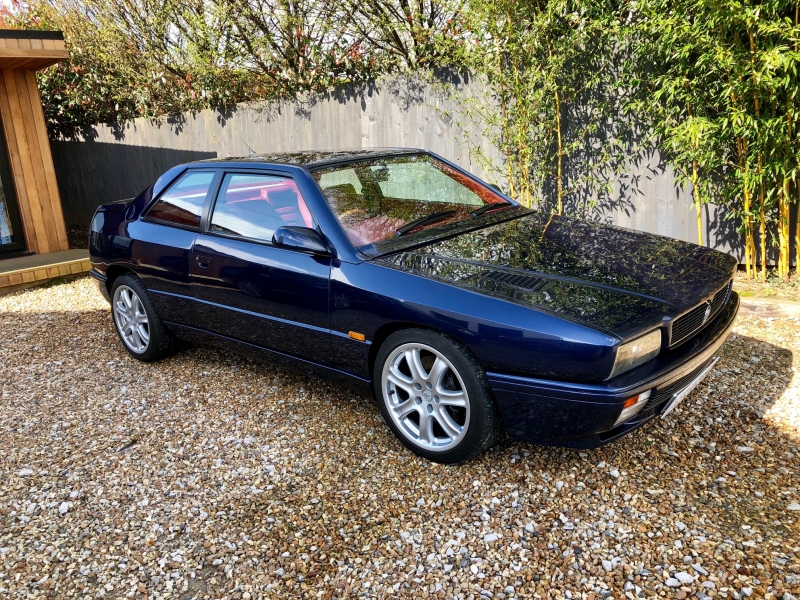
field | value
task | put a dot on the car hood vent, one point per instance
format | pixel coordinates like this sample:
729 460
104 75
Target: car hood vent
529 283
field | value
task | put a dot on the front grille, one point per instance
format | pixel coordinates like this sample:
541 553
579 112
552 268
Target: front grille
664 393
685 326
526 282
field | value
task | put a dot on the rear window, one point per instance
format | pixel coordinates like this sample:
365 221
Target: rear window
183 202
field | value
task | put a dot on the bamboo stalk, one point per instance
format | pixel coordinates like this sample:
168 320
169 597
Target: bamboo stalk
746 222
784 198
797 181
695 179
697 202
762 229
559 141
761 195
504 113
525 179
797 233
560 152
783 230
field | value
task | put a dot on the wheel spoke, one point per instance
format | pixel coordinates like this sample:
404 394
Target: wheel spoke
425 427
402 410
136 341
414 360
399 380
138 309
143 334
450 427
452 398
438 370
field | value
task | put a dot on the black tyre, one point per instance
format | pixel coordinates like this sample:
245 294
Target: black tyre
434 396
138 325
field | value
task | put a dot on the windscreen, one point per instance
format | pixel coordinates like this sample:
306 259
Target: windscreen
387 197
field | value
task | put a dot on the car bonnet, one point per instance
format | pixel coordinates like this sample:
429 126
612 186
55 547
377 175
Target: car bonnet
608 277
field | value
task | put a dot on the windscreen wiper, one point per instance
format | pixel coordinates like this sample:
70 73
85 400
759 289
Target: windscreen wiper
479 211
431 218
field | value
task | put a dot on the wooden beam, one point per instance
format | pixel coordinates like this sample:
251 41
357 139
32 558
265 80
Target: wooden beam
46 160
9 52
35 151
20 148
10 125
32 58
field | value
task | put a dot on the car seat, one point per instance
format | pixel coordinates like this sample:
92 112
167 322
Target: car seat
287 204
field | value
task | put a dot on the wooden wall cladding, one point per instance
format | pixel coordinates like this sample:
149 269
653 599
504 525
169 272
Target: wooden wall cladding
31 161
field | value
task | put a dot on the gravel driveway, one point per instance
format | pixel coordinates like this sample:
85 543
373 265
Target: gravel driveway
212 476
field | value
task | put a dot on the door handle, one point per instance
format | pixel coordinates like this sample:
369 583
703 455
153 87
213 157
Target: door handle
203 261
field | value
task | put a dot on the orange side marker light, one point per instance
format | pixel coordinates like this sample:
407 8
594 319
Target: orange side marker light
357 336
630 402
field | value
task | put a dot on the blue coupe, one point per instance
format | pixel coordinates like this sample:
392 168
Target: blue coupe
395 270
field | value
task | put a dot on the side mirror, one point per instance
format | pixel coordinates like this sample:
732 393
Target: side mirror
303 239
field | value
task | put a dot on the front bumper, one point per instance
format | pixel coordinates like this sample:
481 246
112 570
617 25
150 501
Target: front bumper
580 415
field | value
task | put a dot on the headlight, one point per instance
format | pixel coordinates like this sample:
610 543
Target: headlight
636 352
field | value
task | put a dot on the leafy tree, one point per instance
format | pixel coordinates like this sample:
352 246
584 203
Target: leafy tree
294 45
406 35
131 59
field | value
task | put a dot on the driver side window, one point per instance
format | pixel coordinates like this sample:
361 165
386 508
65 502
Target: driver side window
254 206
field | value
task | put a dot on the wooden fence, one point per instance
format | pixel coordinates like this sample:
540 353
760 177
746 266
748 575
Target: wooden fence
107 163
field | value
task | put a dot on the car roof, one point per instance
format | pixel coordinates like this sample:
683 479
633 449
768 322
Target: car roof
312 159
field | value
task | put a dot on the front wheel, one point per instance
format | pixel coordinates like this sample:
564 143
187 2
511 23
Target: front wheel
434 396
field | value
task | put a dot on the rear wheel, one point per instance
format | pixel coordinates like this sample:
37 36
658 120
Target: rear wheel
434 396
139 327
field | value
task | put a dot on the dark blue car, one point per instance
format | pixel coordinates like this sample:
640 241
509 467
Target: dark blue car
398 272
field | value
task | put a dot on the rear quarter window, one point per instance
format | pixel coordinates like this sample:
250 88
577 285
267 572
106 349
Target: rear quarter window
182 203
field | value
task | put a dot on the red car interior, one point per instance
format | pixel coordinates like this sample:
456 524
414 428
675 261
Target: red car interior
283 197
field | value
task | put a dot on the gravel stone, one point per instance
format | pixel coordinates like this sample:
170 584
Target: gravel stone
212 476
684 578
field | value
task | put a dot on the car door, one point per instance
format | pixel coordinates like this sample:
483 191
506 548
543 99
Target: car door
160 244
249 289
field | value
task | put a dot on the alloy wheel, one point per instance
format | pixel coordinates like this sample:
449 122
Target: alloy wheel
131 319
426 397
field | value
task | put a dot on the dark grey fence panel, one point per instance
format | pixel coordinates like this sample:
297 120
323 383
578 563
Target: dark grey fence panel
92 173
